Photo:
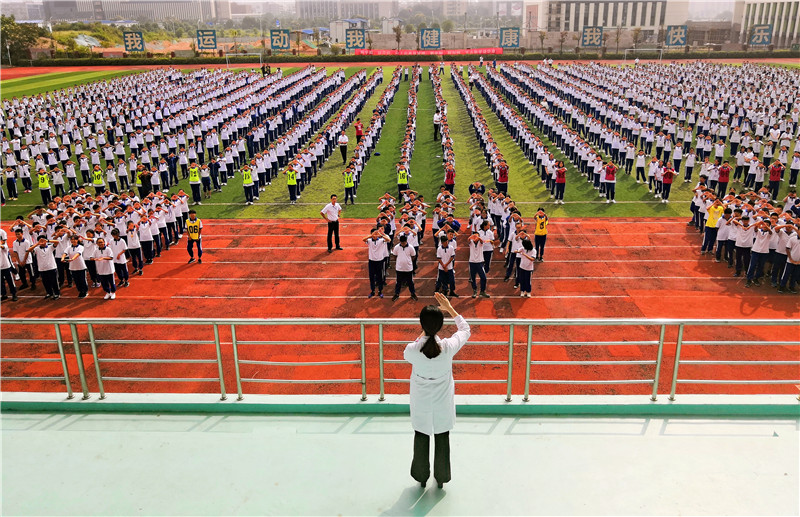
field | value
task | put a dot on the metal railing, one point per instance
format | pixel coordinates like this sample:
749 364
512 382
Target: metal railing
508 329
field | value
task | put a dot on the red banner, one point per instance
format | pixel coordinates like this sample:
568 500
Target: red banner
443 52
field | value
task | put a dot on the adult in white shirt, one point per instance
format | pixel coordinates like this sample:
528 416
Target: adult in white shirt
331 214
432 390
119 247
404 267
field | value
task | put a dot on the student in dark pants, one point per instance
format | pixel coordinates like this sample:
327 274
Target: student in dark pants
432 390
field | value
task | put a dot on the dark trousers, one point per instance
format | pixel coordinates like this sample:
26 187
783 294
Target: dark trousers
421 465
25 271
79 277
136 258
107 281
709 239
375 275
196 195
7 278
50 281
477 268
122 272
333 230
343 149
742 259
189 244
407 278
538 242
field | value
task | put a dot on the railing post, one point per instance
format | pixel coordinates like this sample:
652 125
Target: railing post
79 358
90 328
63 361
380 361
654 396
219 363
677 363
528 365
236 362
510 360
363 366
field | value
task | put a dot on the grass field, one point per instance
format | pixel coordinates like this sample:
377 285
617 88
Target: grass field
581 200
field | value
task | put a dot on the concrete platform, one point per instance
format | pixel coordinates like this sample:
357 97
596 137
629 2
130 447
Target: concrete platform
243 464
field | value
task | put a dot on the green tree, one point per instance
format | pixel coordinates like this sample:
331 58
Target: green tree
562 38
398 34
248 22
17 38
409 29
448 25
617 36
637 36
542 36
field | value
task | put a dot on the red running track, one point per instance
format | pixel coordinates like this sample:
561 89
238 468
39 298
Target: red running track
594 268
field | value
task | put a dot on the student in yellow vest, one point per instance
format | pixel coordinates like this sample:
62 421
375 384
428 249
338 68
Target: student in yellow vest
44 186
540 233
349 186
291 181
194 182
97 180
248 184
402 179
193 227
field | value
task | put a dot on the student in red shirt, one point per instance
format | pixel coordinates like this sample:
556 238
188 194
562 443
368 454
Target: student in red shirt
724 178
359 130
561 182
666 181
611 182
450 178
502 178
775 173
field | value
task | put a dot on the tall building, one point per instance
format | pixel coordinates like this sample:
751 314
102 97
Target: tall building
200 10
783 15
335 9
574 15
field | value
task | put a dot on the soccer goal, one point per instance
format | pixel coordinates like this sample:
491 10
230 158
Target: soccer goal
228 62
634 51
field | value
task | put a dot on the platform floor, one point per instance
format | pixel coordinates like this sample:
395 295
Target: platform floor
147 464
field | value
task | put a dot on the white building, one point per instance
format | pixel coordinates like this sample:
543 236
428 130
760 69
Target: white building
783 15
574 15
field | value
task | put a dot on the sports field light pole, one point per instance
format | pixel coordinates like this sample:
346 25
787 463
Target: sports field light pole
8 49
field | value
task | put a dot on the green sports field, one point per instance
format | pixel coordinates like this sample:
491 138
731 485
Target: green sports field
633 200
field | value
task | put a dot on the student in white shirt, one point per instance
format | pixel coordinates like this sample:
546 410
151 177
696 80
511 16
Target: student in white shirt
376 242
477 263
73 255
744 244
527 257
7 269
46 265
759 252
119 247
404 267
103 258
446 255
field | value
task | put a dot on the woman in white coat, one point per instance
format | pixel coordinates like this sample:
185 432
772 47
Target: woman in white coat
433 408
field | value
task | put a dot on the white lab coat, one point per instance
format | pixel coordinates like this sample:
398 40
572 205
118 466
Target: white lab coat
433 407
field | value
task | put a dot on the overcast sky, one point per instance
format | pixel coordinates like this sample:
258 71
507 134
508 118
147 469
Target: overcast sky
708 9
